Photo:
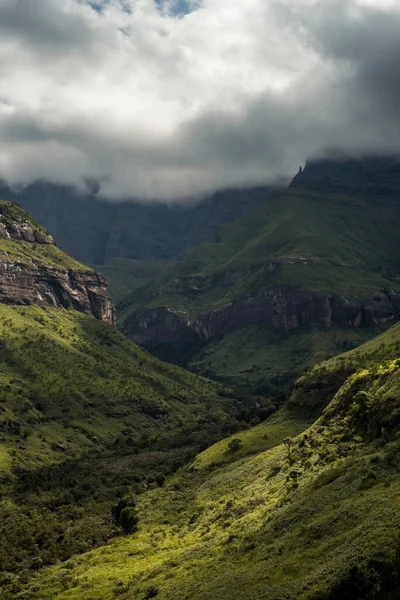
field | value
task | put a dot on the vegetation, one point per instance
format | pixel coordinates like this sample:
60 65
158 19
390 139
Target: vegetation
12 212
30 253
38 255
332 236
95 231
124 275
267 362
310 512
85 418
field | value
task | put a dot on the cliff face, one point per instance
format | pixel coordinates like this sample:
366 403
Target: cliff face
34 271
84 291
283 308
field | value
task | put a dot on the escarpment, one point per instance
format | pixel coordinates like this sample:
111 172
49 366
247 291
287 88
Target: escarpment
34 271
284 308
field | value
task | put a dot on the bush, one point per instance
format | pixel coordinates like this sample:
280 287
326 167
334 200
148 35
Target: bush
234 444
124 513
128 519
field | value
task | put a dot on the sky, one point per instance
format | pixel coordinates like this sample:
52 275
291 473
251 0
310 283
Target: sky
173 99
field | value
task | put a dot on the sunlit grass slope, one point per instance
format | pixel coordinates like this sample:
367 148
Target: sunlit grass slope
84 414
30 253
63 371
287 511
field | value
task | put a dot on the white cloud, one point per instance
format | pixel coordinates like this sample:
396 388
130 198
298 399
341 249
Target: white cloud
160 105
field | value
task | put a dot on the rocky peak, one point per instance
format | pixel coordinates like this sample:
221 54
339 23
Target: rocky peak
34 271
17 224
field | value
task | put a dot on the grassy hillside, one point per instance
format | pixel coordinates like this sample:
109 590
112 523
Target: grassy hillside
31 253
338 235
333 236
126 274
257 358
288 510
84 415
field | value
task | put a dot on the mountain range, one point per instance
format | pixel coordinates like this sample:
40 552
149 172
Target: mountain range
311 270
275 478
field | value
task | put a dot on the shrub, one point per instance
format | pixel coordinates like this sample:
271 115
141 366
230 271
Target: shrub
234 444
128 519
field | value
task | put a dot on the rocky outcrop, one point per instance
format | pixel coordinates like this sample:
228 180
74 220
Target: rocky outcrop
24 233
283 308
26 283
85 291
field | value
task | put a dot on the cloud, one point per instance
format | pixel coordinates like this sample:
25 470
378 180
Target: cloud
177 98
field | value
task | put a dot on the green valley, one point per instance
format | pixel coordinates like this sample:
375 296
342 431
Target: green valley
291 509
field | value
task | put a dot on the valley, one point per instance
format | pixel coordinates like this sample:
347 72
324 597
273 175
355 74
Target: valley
199 338
276 477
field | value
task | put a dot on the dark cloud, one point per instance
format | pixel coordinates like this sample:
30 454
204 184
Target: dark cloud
159 105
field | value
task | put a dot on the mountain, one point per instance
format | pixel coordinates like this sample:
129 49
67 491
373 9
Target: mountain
304 506
34 271
310 271
146 235
84 413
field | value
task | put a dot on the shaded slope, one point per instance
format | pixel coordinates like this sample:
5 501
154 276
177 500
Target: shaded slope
84 413
126 274
315 518
95 231
317 254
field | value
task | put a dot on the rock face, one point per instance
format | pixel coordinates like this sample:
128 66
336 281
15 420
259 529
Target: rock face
85 291
25 233
283 308
25 283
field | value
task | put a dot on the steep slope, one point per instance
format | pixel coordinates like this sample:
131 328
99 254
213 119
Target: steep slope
34 271
124 275
95 231
84 413
321 254
312 518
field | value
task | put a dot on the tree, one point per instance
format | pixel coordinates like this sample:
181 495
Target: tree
288 443
234 444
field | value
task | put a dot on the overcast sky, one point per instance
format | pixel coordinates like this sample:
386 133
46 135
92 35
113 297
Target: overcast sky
170 99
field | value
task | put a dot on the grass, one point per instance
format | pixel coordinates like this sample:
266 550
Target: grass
258 358
84 415
31 253
124 275
12 212
38 255
331 239
315 518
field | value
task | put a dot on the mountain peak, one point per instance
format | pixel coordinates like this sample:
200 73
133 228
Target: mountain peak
34 271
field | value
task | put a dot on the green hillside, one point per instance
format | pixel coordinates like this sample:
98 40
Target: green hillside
32 254
288 510
126 274
84 415
332 237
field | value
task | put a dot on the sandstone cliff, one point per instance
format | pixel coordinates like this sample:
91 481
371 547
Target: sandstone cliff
283 308
34 271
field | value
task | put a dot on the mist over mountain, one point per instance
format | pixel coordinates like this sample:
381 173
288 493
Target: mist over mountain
157 103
